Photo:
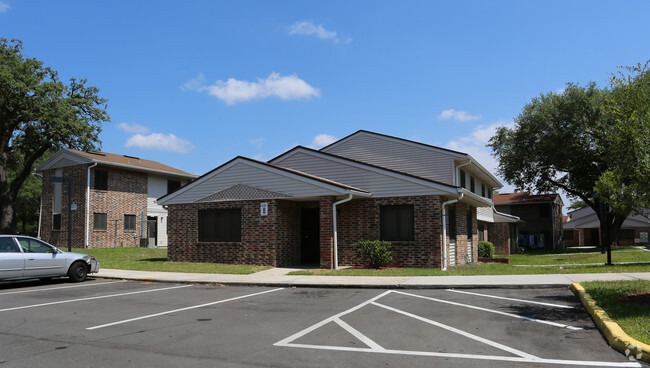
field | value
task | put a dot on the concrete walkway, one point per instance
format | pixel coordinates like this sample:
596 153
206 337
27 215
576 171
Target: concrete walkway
278 277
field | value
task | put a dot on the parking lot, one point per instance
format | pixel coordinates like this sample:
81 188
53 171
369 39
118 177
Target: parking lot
104 323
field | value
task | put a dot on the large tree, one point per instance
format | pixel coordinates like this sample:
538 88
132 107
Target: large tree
558 142
39 113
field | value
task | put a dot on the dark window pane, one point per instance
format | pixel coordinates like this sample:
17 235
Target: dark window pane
101 180
462 179
472 186
99 221
129 222
626 234
396 222
482 190
56 221
173 185
220 225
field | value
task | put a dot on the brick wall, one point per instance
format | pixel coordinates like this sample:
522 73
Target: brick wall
499 236
275 239
265 240
126 194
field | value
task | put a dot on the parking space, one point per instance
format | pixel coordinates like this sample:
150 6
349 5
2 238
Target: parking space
103 323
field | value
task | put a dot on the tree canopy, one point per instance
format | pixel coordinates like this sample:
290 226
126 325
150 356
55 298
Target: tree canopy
592 143
39 113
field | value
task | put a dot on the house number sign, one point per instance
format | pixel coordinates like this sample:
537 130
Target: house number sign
264 209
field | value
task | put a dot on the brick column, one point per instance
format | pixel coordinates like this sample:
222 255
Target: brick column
326 232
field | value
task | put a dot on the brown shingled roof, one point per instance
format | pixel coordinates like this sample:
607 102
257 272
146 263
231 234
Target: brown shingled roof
135 162
523 197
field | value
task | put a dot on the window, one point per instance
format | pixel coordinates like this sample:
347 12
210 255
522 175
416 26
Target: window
34 246
462 179
626 234
129 222
101 180
7 245
489 193
173 185
471 184
220 225
99 221
482 190
481 232
56 221
451 215
396 222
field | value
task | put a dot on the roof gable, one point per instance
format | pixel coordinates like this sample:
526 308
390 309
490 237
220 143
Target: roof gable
234 177
68 157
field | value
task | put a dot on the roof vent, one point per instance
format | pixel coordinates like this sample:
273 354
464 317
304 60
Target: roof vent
97 153
127 156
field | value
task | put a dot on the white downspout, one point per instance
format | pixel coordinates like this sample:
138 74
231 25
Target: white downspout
88 205
336 242
444 230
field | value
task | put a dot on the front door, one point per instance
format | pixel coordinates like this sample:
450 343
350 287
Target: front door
310 236
152 230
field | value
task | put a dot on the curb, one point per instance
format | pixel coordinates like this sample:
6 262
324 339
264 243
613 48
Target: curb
334 285
616 337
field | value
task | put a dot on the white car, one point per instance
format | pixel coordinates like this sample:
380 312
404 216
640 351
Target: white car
24 257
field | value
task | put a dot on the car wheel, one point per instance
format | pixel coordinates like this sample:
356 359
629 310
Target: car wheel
78 272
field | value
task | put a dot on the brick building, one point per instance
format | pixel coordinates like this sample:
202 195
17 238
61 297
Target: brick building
113 199
309 207
541 215
582 227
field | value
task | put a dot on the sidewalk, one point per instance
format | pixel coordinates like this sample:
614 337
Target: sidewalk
278 277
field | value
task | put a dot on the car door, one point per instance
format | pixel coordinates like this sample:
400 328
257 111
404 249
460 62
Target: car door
41 259
12 261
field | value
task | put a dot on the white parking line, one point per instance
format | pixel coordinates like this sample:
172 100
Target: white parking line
513 299
180 310
373 347
492 311
61 287
92 298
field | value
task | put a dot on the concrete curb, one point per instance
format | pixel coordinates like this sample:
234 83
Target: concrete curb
614 334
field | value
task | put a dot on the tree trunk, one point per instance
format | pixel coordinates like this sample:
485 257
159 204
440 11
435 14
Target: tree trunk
7 215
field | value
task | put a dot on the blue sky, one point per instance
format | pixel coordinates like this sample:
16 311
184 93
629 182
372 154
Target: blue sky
194 84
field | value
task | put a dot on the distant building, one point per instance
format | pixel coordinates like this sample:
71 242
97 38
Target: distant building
541 215
582 227
111 194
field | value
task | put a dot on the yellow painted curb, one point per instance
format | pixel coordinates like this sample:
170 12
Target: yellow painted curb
614 334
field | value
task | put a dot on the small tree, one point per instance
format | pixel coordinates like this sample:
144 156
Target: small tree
378 252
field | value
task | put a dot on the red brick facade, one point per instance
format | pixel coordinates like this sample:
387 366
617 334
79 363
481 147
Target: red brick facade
499 236
126 195
275 239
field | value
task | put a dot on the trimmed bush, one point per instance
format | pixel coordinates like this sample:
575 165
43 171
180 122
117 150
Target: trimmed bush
485 249
378 252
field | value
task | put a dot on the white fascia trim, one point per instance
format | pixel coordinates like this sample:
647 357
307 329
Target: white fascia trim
441 187
476 197
62 153
487 172
143 169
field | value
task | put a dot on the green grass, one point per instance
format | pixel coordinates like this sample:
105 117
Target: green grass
633 318
537 262
619 254
153 259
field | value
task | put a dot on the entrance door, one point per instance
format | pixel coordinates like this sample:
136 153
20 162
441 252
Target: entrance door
310 236
595 237
152 230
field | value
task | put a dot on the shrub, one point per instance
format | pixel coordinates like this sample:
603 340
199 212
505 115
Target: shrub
378 252
485 249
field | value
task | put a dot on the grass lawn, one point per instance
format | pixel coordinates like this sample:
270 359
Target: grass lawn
634 318
153 259
537 262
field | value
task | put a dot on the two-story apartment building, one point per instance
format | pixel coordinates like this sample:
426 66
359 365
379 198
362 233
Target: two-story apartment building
310 206
113 199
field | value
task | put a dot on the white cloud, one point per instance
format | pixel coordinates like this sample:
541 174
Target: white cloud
452 114
257 142
195 83
232 91
133 128
307 28
4 6
322 140
160 142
